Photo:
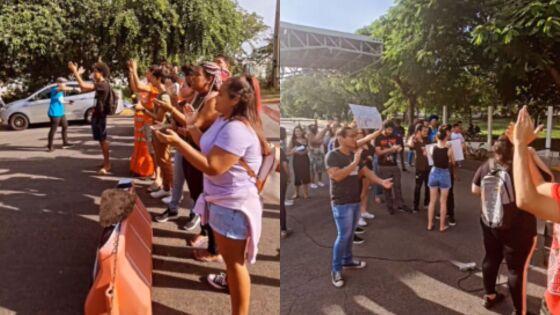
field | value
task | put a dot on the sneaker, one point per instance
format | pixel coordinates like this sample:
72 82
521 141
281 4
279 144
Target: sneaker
166 215
313 186
359 230
437 216
405 208
166 200
367 215
218 281
362 222
357 240
336 279
192 223
451 221
321 184
285 234
67 145
289 202
160 193
356 264
489 303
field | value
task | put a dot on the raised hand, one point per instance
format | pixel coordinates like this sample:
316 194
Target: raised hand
72 67
358 155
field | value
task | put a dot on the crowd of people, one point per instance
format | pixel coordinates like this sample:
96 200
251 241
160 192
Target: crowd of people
199 125
363 162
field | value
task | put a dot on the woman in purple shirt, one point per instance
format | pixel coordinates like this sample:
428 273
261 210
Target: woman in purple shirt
230 202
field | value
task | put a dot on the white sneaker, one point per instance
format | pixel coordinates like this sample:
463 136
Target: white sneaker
313 186
166 200
321 184
367 215
289 202
362 222
160 194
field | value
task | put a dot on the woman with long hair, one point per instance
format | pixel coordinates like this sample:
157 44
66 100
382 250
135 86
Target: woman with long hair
299 149
439 180
514 239
206 81
230 203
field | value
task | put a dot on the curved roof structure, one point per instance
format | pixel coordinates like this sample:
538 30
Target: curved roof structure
304 47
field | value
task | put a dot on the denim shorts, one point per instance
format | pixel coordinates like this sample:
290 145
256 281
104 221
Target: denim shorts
230 223
439 178
99 128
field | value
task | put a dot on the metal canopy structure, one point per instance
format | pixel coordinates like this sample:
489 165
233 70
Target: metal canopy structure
308 48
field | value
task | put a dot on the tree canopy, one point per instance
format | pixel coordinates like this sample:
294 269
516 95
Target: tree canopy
465 55
39 37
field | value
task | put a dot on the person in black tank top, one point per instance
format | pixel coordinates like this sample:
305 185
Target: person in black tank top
439 180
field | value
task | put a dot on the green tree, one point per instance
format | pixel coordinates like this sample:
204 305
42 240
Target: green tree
39 37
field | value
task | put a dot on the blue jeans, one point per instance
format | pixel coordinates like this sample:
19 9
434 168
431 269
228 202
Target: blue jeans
410 156
439 178
178 182
230 223
346 219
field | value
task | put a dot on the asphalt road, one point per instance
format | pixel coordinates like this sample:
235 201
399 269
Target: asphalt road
388 286
49 230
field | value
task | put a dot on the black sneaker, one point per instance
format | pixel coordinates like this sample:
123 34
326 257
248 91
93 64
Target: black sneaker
336 279
359 230
489 303
405 208
166 215
192 222
356 264
451 221
358 240
218 281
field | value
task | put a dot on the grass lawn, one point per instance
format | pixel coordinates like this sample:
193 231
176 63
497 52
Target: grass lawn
499 127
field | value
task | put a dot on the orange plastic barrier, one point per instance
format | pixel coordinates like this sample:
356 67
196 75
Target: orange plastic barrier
131 281
141 162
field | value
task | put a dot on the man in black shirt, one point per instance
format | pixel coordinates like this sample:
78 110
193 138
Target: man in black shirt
386 146
346 165
102 104
417 143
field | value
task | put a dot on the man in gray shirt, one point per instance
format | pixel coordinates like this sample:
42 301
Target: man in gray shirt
346 167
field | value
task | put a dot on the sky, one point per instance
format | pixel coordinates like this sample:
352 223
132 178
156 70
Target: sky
264 8
338 15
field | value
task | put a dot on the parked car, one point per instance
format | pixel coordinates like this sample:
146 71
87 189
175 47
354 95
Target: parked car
19 114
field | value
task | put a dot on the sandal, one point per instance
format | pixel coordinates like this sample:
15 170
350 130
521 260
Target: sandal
488 303
197 241
104 171
205 256
154 187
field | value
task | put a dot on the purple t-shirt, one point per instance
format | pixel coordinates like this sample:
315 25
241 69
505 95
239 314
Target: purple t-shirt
240 140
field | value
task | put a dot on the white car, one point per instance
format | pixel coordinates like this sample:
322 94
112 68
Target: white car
34 109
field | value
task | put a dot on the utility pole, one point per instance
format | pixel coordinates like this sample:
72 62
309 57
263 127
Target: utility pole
276 50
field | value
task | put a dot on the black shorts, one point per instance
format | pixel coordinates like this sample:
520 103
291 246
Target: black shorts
99 128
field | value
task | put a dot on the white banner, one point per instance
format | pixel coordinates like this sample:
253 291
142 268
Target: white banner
367 117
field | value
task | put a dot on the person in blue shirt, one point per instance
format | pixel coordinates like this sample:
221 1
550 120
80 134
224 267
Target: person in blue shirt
434 122
56 113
